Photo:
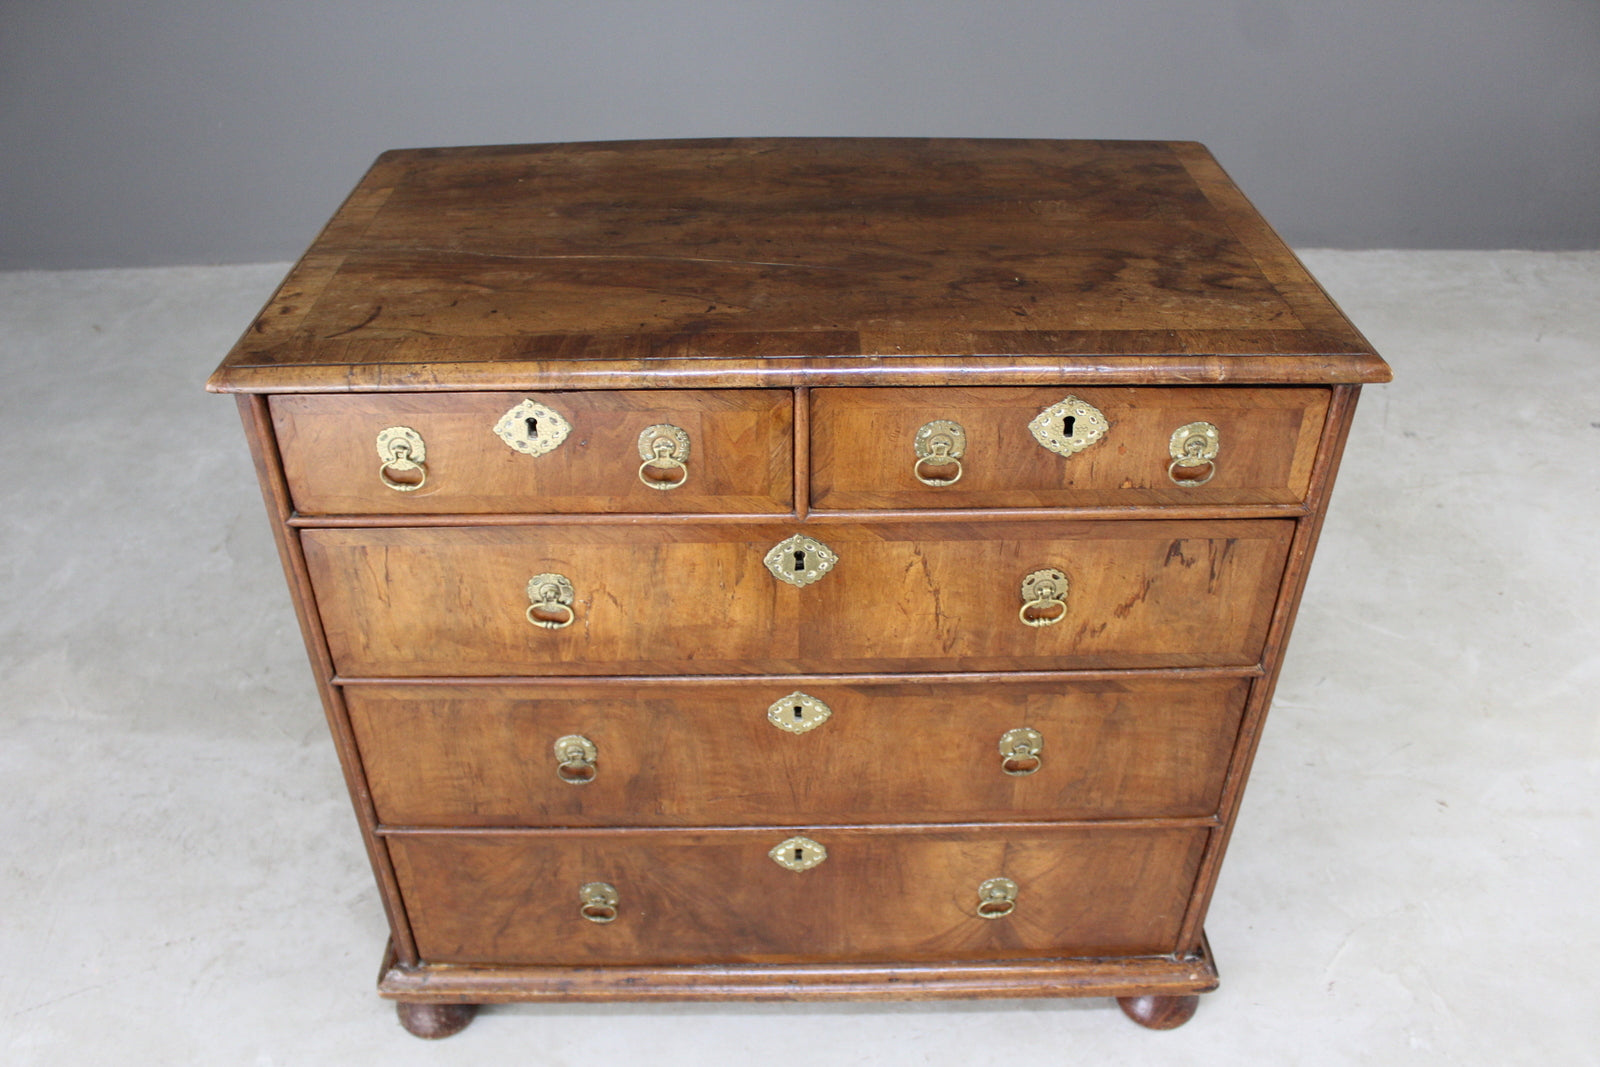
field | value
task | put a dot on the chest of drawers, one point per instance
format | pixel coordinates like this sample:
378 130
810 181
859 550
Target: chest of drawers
796 568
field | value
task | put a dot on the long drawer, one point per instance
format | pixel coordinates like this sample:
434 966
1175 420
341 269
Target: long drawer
718 895
562 452
733 753
723 599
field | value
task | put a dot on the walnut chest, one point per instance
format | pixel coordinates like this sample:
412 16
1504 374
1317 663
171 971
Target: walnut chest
798 567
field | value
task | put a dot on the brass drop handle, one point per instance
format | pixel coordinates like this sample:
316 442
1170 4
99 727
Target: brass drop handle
939 446
997 898
402 451
575 759
550 601
1192 447
665 451
1044 598
598 901
1019 751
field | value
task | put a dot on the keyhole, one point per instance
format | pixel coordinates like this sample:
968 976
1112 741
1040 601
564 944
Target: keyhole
533 427
799 854
799 560
1066 425
798 713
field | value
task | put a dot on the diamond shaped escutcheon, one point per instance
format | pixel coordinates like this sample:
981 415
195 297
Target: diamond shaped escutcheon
798 854
800 560
797 713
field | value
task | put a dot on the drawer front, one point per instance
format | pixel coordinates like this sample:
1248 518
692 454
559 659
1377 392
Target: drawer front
708 753
864 447
740 449
718 897
686 599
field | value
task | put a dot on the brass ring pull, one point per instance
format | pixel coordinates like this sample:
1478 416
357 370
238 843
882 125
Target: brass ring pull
402 450
1044 598
939 445
1192 447
575 759
997 898
551 597
1019 751
598 901
665 451
1189 482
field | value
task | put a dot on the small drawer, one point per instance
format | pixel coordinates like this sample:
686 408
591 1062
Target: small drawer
789 598
718 896
982 447
577 452
737 753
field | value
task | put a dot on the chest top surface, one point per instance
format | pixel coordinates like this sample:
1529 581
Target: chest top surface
795 261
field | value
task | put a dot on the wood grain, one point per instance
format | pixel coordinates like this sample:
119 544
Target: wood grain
801 307
714 896
515 267
1107 976
912 751
291 554
863 447
698 600
329 452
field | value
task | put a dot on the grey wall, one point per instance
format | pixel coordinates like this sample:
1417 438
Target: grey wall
192 131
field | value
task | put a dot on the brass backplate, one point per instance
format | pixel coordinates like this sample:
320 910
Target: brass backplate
1045 584
798 854
798 713
1195 445
401 446
575 748
1069 426
800 560
533 428
941 439
664 440
546 588
1021 742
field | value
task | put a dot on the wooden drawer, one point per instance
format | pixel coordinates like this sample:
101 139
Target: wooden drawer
741 444
698 599
864 447
677 753
716 896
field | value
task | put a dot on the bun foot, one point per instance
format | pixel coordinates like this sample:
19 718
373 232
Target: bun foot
431 1020
1158 1012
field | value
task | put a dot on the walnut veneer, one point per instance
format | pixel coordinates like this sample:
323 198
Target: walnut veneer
706 767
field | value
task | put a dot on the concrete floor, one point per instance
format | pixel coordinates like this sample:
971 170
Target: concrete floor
1414 877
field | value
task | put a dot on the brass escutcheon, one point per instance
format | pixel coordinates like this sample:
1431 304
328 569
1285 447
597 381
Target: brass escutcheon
665 450
1040 590
939 445
597 901
798 713
575 759
1019 751
997 898
532 428
1069 426
401 449
551 595
800 560
1193 446
798 854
